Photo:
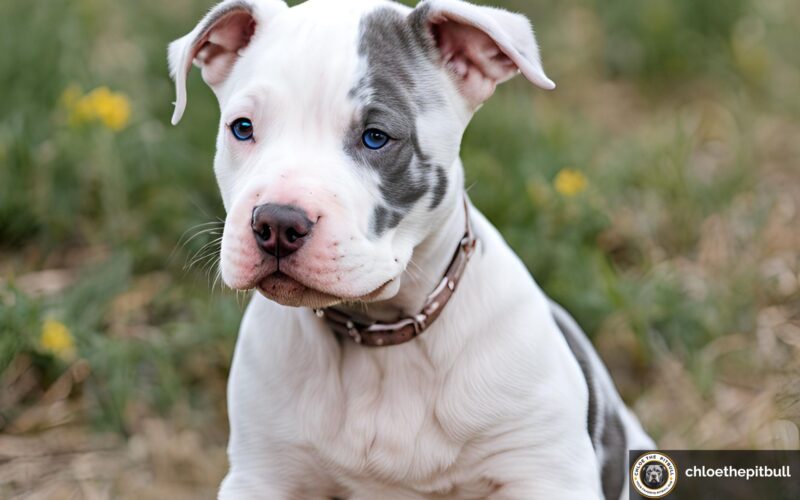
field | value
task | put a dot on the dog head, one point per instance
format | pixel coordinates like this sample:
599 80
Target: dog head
653 474
341 122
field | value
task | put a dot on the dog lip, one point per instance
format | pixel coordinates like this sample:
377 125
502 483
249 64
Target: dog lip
280 278
285 289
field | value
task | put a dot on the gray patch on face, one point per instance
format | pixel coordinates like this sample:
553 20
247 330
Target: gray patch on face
384 218
391 94
440 188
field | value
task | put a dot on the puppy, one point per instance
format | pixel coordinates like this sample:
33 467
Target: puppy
397 348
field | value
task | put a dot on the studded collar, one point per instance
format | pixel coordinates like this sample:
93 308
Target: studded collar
373 333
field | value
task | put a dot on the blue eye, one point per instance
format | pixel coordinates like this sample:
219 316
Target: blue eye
374 138
242 129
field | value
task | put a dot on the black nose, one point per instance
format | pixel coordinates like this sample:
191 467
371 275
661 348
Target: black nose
280 230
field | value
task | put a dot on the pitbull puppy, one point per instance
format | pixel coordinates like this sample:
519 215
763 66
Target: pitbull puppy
338 163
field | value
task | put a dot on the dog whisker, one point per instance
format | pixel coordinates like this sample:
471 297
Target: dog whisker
213 228
206 251
200 229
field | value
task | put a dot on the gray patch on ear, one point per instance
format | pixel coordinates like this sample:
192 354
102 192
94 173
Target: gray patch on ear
391 94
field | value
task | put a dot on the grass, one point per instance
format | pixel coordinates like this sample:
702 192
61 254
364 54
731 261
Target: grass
677 256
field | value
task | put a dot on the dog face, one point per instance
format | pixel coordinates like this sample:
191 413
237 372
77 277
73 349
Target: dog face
653 474
340 127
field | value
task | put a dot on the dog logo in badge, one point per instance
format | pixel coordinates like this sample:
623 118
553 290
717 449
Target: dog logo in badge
654 475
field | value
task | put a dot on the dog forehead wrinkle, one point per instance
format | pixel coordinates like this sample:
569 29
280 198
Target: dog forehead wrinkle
308 49
398 84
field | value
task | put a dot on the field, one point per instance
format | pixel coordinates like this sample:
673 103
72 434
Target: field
655 193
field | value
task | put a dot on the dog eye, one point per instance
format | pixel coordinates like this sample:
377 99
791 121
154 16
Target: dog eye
242 129
374 138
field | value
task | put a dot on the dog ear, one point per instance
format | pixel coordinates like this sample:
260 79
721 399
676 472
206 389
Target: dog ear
216 43
480 46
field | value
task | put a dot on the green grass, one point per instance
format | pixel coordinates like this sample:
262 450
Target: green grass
675 111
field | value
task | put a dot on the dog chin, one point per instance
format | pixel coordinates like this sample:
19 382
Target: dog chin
288 291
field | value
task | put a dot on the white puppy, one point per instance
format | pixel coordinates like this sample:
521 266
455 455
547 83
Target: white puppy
338 163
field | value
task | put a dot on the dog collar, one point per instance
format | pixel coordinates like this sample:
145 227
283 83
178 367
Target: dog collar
378 334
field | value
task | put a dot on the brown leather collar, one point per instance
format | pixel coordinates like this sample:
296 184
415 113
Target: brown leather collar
376 334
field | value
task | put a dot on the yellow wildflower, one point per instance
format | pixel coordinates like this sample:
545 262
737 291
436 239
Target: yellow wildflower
112 109
57 339
570 182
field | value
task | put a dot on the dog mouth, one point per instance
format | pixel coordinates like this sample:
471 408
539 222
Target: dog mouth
288 291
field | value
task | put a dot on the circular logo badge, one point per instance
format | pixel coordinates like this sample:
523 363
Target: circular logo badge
654 475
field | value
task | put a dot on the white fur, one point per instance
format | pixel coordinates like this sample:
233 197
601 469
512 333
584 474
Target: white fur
489 402
490 396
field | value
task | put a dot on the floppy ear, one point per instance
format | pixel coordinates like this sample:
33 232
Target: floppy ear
216 43
480 46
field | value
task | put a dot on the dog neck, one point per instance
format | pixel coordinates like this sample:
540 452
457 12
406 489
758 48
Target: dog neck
424 272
